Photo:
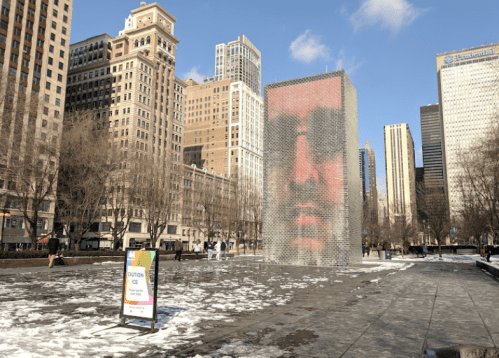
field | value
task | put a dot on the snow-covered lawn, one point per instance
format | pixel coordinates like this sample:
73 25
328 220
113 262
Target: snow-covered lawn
74 313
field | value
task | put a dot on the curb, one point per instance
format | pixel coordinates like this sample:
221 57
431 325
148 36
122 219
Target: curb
491 269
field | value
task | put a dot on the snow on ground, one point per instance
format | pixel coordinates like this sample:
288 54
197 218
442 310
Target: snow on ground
75 313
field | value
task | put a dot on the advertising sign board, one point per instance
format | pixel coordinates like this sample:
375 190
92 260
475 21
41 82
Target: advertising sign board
139 297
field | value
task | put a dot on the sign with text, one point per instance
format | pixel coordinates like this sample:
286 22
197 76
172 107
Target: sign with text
140 274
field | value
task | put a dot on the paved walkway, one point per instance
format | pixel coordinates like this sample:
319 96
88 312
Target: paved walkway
433 305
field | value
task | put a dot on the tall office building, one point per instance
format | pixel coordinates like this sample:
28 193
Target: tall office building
129 82
400 173
224 129
239 61
369 191
382 210
433 146
34 44
467 89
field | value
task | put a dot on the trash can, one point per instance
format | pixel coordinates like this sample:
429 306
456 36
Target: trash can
382 254
388 255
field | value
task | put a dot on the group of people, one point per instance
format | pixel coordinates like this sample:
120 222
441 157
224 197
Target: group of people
220 246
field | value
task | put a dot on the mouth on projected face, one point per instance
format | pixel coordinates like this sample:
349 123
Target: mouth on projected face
309 227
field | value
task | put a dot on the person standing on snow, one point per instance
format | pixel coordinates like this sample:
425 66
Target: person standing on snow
223 247
210 249
218 247
53 247
178 250
197 249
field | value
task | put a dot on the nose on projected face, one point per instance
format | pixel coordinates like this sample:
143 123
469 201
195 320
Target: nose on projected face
304 168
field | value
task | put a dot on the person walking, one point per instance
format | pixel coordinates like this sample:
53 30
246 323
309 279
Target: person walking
197 249
223 247
53 247
368 249
218 247
363 250
209 248
178 250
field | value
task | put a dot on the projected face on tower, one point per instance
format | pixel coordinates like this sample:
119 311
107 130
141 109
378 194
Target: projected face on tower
305 163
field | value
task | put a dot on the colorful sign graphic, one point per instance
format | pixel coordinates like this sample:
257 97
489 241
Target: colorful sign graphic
139 295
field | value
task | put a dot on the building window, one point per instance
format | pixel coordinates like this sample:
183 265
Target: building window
135 227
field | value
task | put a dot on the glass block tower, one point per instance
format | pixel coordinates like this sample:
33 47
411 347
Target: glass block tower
312 207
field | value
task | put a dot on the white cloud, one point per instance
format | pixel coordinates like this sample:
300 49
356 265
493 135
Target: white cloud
347 64
388 14
194 75
308 48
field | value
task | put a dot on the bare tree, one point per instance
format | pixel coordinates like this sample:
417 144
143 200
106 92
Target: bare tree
28 159
434 210
157 195
472 219
478 212
207 206
255 208
86 162
118 209
400 229
402 233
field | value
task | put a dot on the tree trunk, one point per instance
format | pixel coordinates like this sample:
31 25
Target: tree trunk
439 248
34 232
79 235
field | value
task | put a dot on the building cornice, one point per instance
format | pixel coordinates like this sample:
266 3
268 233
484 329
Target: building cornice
150 6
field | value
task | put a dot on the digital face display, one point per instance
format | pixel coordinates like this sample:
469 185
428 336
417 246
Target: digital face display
305 169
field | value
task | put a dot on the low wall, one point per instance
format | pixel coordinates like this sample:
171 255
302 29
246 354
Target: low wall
486 266
13 263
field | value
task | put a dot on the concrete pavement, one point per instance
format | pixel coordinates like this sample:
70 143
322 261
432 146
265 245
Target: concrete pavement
430 305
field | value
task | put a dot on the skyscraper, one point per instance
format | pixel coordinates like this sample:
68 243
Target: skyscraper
34 43
224 129
369 189
400 173
224 120
433 146
239 60
129 83
467 89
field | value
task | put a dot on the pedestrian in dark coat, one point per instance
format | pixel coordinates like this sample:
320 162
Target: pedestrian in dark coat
368 249
53 247
178 250
363 250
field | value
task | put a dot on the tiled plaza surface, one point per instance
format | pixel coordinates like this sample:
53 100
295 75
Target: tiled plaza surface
246 308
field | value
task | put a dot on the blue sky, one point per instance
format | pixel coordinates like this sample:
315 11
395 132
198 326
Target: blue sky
387 47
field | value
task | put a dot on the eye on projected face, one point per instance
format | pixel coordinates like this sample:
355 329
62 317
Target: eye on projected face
308 158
